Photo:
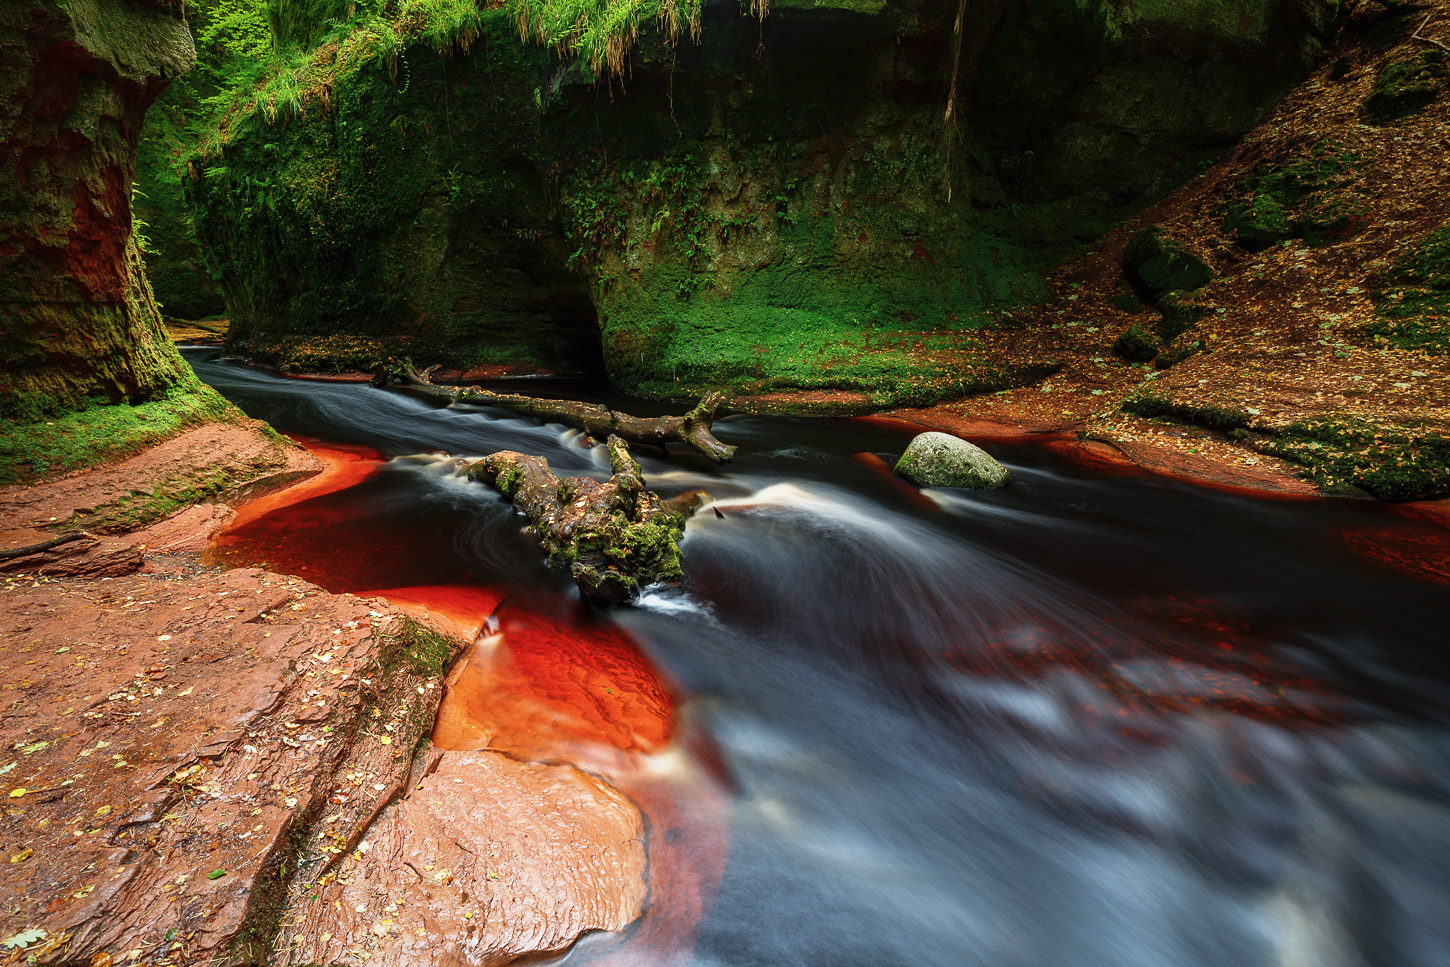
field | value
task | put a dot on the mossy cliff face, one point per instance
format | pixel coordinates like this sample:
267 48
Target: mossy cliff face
753 211
78 324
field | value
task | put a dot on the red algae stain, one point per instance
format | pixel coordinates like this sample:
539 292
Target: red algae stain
541 686
884 471
1216 661
551 690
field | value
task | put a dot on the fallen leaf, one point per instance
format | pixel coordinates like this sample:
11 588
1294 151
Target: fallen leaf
103 811
17 793
185 693
33 747
216 874
21 856
386 740
23 939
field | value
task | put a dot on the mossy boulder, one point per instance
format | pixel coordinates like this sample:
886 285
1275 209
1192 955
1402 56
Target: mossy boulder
1180 310
1405 87
1312 196
941 460
1137 344
1162 264
1179 349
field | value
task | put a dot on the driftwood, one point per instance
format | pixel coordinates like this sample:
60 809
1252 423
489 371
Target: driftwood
693 429
29 549
613 537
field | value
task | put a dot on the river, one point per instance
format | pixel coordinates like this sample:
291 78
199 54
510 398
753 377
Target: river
1085 720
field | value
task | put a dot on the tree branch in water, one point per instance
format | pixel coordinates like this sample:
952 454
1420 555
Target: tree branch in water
694 429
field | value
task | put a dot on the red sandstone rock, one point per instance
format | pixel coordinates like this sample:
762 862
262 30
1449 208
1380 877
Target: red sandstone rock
486 860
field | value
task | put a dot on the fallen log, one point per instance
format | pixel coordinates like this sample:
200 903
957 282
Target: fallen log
613 537
694 429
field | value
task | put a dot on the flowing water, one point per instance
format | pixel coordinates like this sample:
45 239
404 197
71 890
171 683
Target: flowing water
1083 721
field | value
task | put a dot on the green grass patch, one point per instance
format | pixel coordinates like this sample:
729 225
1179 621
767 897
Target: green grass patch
39 448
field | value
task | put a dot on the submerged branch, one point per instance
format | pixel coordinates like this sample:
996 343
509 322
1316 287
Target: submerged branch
694 429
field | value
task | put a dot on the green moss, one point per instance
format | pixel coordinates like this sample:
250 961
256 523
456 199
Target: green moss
1180 311
1311 197
1404 87
420 648
1389 461
103 432
1159 406
1412 298
1176 352
1163 264
1137 343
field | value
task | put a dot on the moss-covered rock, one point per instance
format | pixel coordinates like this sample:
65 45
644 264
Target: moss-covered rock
1184 347
1312 196
1137 344
1180 310
1163 265
1158 405
941 460
78 324
1406 86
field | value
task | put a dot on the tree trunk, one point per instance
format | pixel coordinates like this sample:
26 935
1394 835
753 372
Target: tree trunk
694 429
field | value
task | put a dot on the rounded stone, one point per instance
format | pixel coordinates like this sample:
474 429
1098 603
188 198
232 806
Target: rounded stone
942 460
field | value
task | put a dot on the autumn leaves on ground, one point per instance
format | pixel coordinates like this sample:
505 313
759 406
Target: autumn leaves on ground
1313 353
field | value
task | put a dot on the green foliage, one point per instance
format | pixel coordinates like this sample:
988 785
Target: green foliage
601 32
1391 462
1310 197
231 29
1413 298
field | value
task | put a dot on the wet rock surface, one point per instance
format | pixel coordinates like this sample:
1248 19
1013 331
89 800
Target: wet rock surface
166 734
191 756
486 860
941 460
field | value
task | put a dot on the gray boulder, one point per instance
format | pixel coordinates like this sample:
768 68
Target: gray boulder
942 460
